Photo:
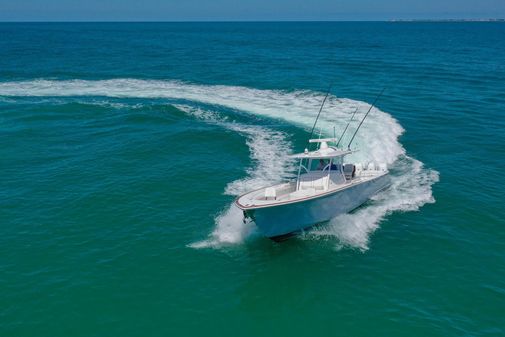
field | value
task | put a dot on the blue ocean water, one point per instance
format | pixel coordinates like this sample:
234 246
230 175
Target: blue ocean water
123 146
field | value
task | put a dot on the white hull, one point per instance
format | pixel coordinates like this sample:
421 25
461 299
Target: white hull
279 219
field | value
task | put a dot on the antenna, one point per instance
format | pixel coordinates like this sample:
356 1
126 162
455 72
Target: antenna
320 109
371 106
342 135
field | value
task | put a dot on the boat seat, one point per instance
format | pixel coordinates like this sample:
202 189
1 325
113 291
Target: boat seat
270 193
317 180
302 193
349 171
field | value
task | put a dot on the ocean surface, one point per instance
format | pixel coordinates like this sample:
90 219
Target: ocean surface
123 146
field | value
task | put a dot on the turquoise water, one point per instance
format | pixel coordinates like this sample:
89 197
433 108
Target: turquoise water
123 147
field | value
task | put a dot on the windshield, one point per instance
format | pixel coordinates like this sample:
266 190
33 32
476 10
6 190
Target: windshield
322 164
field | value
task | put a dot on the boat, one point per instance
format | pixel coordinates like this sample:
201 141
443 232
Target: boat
325 187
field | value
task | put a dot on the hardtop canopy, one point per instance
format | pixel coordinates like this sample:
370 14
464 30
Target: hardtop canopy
328 153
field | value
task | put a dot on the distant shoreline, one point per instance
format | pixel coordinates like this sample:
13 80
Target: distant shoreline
447 20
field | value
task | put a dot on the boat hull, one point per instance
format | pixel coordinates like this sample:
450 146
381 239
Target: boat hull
281 221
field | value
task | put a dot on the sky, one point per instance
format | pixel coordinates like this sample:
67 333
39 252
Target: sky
247 10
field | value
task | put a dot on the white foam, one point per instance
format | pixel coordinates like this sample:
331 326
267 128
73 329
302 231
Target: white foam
269 151
410 189
377 141
230 229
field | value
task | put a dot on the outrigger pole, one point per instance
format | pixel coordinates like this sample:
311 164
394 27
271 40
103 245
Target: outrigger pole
371 106
342 135
320 109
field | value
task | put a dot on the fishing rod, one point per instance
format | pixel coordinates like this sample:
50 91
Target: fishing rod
342 135
371 106
320 109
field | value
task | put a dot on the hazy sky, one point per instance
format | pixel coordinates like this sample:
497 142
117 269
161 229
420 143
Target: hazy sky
240 10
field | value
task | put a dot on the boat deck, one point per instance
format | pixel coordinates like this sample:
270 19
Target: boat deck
311 185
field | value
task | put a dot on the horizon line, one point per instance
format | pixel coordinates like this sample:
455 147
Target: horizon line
260 21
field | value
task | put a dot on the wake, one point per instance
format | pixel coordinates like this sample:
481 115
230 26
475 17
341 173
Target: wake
377 141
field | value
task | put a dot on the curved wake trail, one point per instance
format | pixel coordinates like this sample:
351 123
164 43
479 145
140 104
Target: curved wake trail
269 151
377 141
